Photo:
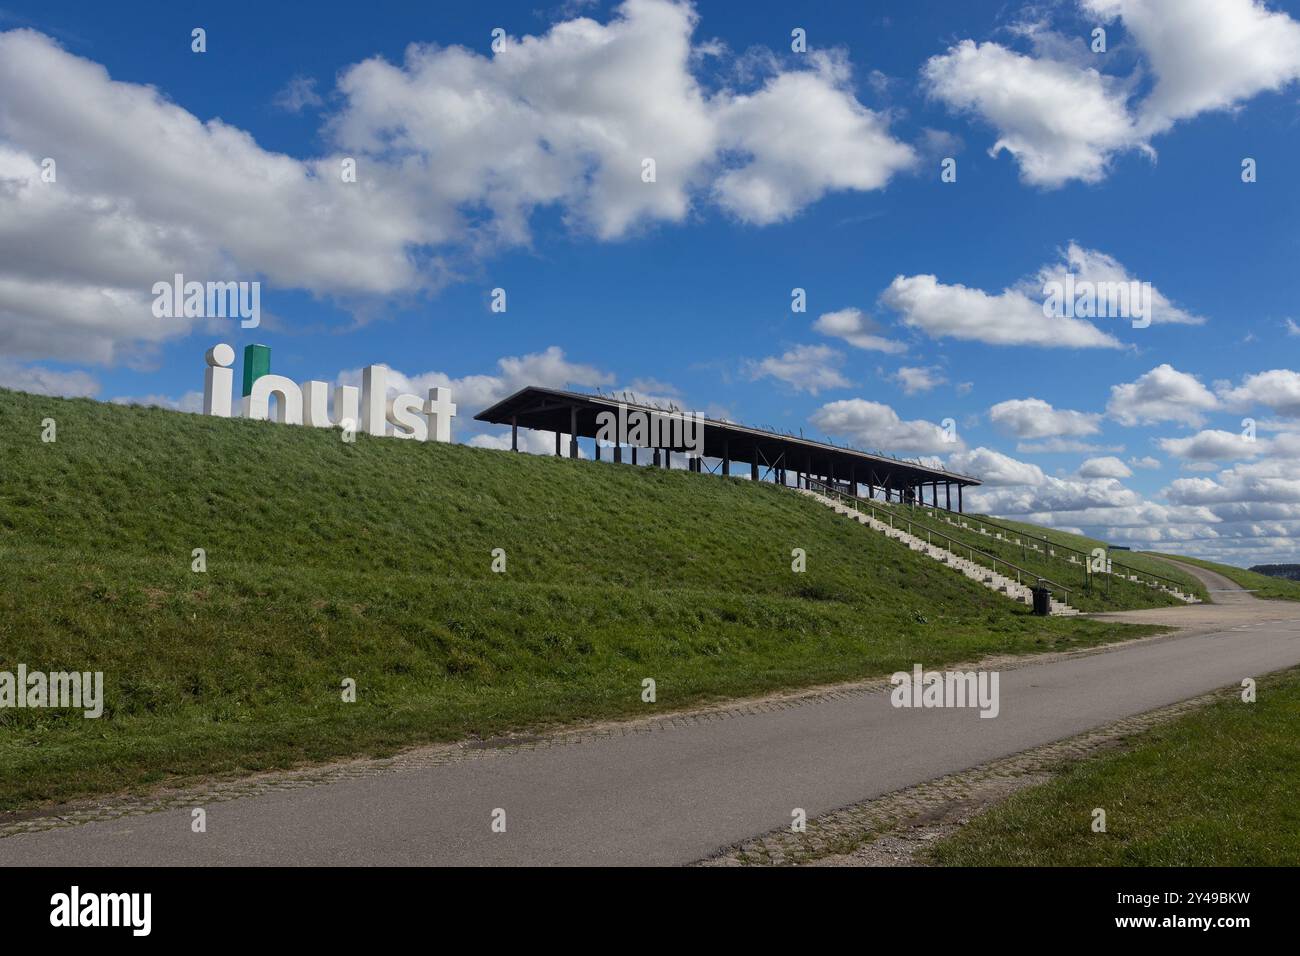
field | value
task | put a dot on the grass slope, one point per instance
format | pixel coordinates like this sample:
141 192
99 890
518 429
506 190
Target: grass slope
1103 593
1214 788
1135 559
371 561
1264 586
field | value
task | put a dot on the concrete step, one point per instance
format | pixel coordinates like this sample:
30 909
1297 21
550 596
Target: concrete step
991 579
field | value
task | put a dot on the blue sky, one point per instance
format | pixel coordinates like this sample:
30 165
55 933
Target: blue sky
777 170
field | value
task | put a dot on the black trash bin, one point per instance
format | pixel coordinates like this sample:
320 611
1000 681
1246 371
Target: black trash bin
1042 600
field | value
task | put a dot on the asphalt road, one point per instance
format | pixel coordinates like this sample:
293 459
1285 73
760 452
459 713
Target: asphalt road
677 793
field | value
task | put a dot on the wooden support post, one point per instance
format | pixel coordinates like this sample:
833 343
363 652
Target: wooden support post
514 432
573 432
658 461
959 507
947 495
618 454
596 444
753 465
557 444
634 454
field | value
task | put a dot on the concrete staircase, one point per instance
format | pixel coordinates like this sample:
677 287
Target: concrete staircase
958 522
991 579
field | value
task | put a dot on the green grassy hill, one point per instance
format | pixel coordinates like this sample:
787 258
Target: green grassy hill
372 561
1098 593
1140 560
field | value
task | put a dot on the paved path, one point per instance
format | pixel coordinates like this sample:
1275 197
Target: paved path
680 790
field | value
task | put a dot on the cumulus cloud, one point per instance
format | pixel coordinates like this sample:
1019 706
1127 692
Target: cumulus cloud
1016 315
1206 54
875 426
1213 445
473 393
1105 467
856 328
1035 418
805 368
152 192
455 151
1278 389
994 468
189 402
1011 317
1163 394
298 94
1145 462
915 380
1063 120
46 381
1059 120
1112 283
773 129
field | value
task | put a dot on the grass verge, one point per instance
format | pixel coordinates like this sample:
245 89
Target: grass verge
1214 788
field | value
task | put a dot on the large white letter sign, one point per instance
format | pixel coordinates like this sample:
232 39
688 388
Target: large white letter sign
218 380
441 411
288 409
315 405
374 400
409 416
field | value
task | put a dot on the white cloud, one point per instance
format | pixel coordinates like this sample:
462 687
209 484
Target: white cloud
144 190
1111 282
856 328
1206 54
872 426
1063 120
803 135
1145 462
1010 317
298 94
473 393
189 402
1213 445
1035 418
1278 389
915 380
1059 120
1105 467
530 441
994 468
1163 394
1016 315
805 368
455 151
46 381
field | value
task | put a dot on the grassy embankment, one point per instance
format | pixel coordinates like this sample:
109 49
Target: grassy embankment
372 561
1103 593
1214 788
1139 560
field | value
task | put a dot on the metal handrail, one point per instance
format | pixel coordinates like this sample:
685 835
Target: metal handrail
960 544
1110 562
1179 585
